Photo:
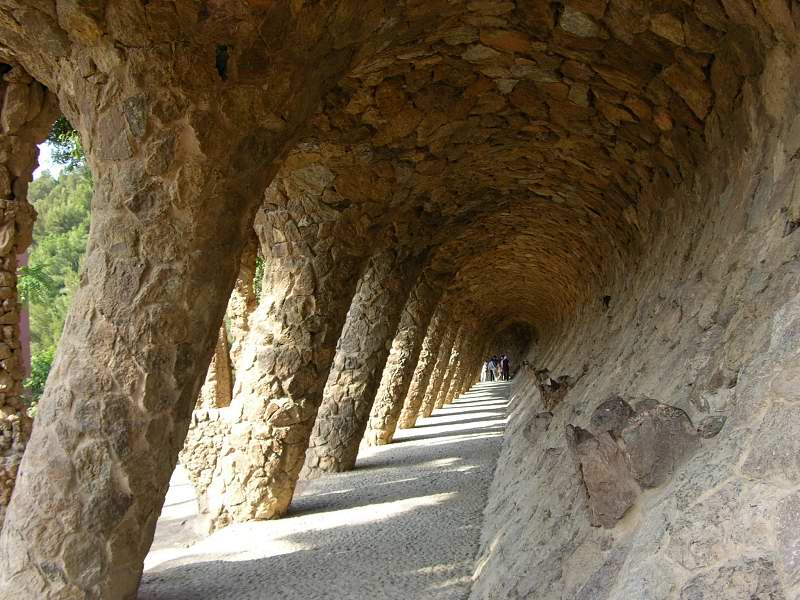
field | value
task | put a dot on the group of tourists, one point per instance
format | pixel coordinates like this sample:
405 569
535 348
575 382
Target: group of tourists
497 369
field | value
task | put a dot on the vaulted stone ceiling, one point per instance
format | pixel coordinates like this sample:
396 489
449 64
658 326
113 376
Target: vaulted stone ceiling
527 142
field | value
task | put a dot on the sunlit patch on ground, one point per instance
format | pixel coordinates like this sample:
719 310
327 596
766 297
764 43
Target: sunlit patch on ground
404 524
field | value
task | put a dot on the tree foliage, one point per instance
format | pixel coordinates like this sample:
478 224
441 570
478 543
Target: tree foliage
66 145
49 281
40 368
35 285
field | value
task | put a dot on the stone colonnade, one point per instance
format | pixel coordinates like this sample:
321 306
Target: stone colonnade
439 372
571 125
178 177
361 354
403 363
428 357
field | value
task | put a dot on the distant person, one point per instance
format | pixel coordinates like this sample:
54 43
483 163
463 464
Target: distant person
505 367
491 366
496 370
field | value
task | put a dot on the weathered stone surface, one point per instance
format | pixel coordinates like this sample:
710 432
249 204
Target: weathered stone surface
208 428
162 257
680 320
243 299
611 487
657 440
401 363
618 177
774 454
540 422
25 114
217 389
292 338
612 415
744 579
423 370
361 354
788 539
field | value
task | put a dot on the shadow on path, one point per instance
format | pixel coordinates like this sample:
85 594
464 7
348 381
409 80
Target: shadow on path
404 524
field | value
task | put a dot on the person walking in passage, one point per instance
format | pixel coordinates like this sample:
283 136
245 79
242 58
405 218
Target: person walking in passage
505 367
491 366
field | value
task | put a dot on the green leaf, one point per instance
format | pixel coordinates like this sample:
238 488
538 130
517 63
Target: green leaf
34 285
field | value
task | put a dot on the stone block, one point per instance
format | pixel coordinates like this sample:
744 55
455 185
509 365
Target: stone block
710 426
746 578
612 415
775 448
788 537
657 440
610 486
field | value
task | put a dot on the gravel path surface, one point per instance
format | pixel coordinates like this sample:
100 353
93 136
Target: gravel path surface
405 524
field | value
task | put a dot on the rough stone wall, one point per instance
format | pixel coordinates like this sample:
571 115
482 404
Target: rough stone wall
27 111
208 428
707 322
400 366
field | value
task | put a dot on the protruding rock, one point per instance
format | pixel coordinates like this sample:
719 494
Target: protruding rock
657 440
552 390
710 426
610 486
537 426
612 415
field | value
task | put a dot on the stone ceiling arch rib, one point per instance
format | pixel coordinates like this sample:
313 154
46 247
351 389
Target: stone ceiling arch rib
551 133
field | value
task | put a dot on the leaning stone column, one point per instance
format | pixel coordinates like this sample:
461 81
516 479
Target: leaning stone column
178 176
360 359
470 374
423 370
243 299
463 371
161 261
458 372
310 275
437 375
473 372
26 113
448 374
399 369
218 386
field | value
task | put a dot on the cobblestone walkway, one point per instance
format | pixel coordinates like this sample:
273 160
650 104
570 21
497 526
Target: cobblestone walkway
405 524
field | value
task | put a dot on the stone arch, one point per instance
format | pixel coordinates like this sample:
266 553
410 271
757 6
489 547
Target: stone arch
606 139
177 184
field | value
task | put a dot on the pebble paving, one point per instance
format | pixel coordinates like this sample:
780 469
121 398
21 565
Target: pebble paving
404 524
